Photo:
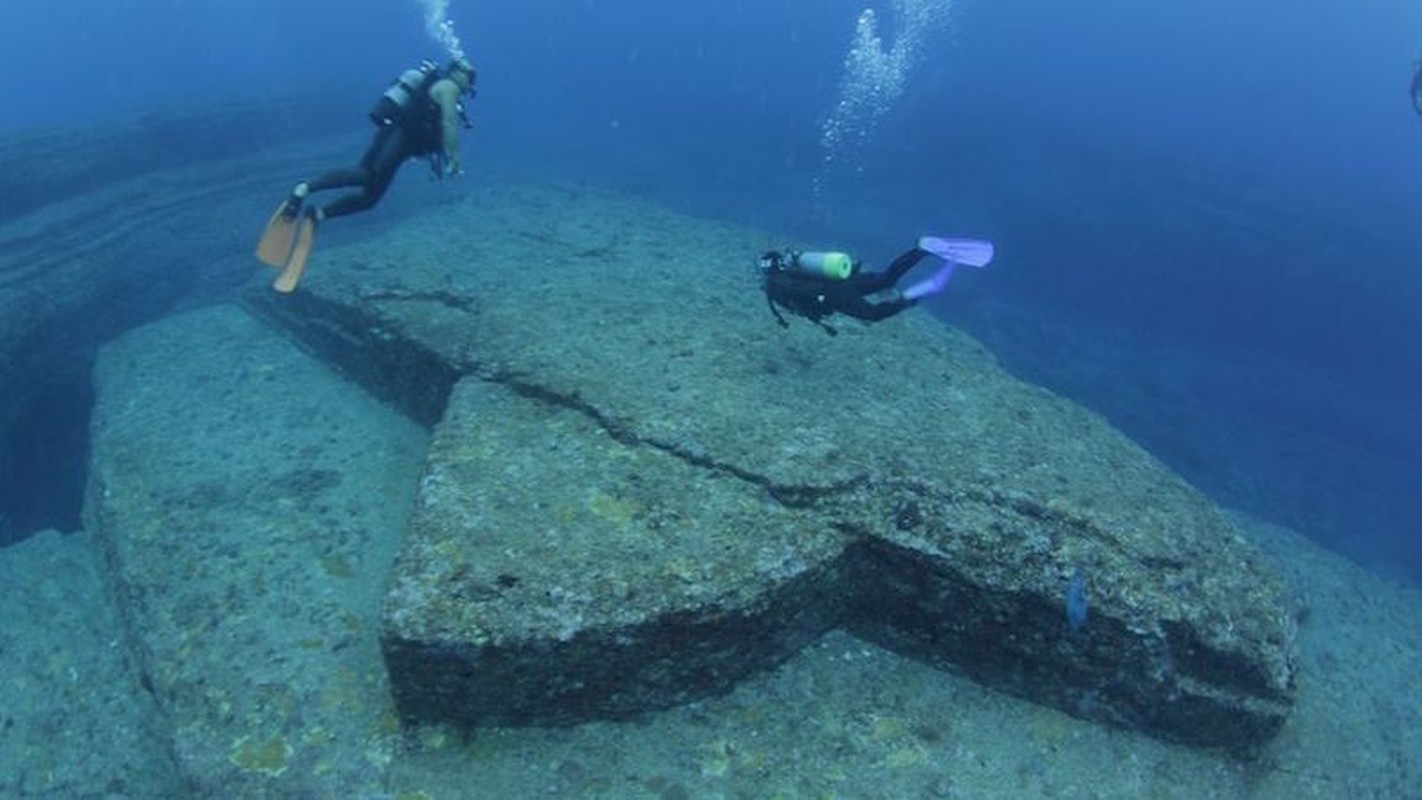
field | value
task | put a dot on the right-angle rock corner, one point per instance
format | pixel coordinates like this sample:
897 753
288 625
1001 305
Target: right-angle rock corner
642 490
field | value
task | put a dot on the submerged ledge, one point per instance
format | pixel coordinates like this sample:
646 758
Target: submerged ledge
641 490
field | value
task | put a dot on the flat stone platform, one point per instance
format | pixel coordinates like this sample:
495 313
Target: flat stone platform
641 489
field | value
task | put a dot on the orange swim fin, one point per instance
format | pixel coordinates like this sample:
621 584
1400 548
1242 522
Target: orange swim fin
274 248
300 250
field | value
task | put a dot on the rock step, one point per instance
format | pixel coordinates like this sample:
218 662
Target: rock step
641 489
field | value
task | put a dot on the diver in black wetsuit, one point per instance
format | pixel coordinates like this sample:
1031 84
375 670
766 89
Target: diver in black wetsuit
1417 89
420 115
817 285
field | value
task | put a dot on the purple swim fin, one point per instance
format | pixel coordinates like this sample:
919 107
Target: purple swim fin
971 252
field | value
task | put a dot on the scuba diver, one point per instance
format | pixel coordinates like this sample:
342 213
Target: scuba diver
420 115
816 285
1417 89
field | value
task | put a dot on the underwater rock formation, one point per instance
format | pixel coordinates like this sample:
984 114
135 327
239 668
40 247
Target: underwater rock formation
96 240
247 504
641 490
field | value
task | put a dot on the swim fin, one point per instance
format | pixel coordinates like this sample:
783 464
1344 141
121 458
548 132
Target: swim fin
274 248
970 252
304 240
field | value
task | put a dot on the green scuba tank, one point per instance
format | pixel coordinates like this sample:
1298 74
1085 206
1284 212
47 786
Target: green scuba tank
832 265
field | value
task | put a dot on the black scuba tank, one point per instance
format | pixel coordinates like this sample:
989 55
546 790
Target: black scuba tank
394 106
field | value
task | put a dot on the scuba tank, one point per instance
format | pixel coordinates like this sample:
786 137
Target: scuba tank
391 107
833 265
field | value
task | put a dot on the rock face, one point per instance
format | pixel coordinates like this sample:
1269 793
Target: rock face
52 165
119 251
248 504
641 489
76 721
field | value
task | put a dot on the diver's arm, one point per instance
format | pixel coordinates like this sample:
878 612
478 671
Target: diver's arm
776 312
446 95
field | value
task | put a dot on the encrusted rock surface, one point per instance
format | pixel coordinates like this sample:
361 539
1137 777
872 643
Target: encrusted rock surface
75 720
248 504
641 489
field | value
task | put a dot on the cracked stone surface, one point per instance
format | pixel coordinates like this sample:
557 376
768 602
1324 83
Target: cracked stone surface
641 490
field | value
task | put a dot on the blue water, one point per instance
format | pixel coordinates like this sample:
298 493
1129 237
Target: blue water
1237 182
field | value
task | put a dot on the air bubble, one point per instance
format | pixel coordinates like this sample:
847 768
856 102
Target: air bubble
874 79
441 28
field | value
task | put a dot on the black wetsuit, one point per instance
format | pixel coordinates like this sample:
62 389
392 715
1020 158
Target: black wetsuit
392 146
816 298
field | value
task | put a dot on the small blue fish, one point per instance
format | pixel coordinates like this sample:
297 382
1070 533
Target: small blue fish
1076 601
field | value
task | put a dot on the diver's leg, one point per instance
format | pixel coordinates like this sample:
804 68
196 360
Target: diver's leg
873 312
337 178
871 282
350 203
379 166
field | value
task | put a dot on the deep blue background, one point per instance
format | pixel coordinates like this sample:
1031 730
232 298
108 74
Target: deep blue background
1238 177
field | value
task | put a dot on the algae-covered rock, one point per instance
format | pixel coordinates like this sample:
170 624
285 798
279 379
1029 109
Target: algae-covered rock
230 472
642 488
74 719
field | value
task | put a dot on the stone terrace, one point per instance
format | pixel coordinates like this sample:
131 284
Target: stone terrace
641 490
